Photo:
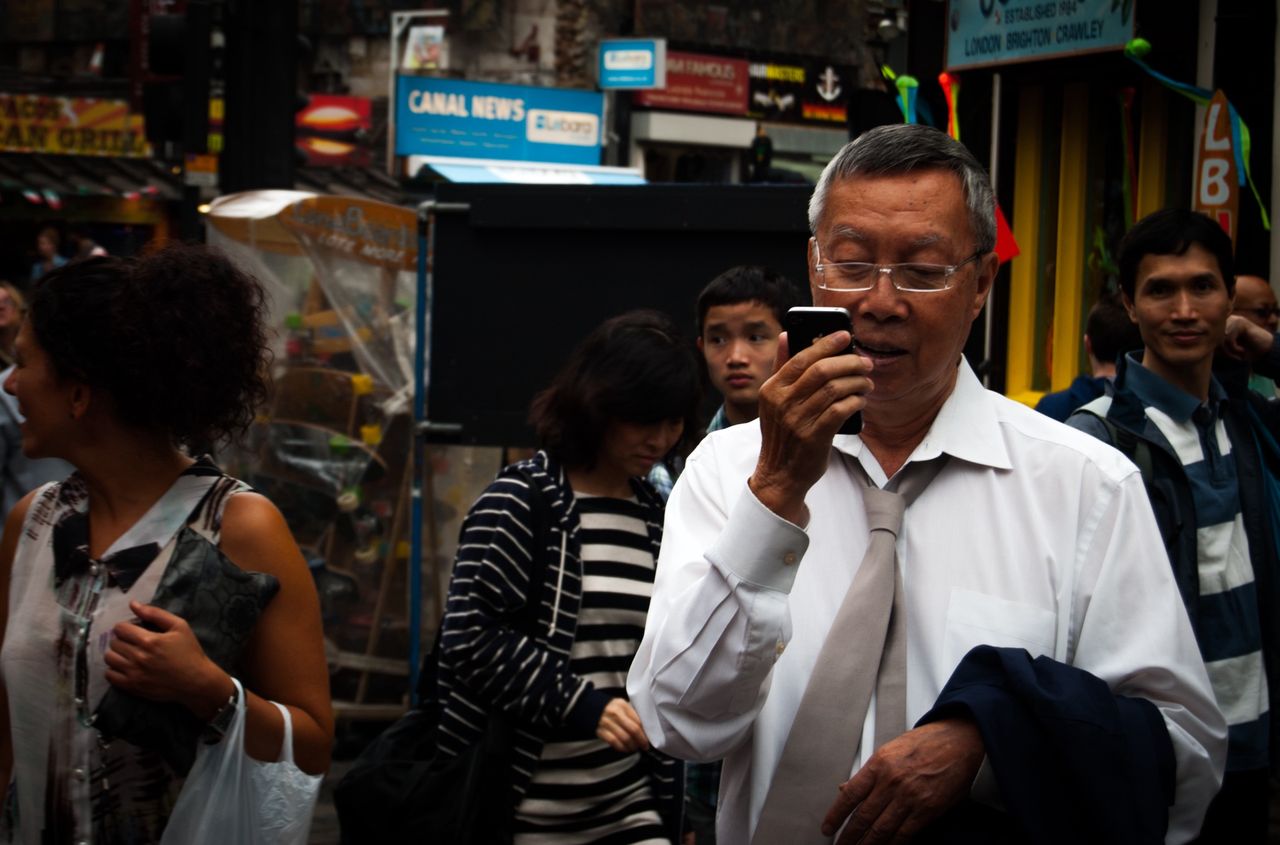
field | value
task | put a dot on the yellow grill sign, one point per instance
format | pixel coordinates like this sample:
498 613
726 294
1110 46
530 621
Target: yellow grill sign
70 126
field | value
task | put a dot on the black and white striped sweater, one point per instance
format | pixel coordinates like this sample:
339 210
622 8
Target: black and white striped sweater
488 659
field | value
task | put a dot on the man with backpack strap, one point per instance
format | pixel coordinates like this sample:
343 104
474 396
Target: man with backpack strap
1205 445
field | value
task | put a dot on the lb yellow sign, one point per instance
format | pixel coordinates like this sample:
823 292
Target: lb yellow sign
70 126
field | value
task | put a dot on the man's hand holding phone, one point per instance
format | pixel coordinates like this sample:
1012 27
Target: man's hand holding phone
802 407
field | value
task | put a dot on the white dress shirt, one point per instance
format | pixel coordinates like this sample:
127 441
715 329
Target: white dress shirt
1033 535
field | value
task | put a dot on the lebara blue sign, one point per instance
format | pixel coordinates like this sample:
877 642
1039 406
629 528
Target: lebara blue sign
639 63
452 117
995 32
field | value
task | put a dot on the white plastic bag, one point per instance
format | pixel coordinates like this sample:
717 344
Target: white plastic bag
231 797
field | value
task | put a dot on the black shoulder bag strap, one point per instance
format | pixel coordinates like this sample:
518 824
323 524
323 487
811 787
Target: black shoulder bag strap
525 617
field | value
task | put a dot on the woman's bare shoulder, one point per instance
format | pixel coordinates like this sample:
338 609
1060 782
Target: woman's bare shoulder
256 537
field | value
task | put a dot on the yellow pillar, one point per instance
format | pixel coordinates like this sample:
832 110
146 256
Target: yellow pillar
1026 227
1153 150
1068 289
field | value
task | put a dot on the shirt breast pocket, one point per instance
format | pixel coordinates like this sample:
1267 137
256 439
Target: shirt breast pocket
975 619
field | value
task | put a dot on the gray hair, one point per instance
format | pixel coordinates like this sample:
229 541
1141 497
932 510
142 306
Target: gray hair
901 148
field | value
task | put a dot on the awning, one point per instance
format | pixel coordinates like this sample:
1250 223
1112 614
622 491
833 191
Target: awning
251 218
523 172
50 180
43 179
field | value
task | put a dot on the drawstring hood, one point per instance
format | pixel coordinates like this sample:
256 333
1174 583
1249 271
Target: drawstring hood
555 606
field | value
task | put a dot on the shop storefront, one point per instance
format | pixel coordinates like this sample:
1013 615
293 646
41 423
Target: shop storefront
1083 137
702 126
80 165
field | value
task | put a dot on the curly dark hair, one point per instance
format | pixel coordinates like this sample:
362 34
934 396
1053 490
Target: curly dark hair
176 338
635 368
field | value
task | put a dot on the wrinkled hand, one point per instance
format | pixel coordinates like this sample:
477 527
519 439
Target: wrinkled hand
164 664
1245 339
620 727
801 408
907 784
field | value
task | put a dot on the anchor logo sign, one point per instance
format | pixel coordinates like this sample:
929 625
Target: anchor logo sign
829 84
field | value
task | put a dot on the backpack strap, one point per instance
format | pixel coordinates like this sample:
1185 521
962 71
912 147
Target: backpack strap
1131 445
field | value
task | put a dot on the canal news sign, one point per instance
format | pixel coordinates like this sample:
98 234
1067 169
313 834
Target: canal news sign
461 119
981 33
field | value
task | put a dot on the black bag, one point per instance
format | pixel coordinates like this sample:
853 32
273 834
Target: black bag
401 789
221 603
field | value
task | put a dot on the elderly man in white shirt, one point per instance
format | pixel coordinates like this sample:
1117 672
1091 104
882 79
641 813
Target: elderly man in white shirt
1031 536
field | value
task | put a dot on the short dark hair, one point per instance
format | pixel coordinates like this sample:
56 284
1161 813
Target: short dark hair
901 148
748 283
1172 231
175 338
632 368
1110 331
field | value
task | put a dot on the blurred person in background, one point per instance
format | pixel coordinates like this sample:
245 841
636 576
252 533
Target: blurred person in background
13 308
47 256
1108 334
83 246
1256 302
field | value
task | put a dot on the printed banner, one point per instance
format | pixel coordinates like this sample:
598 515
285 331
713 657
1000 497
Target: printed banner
986 32
71 126
813 92
633 63
426 49
451 117
373 232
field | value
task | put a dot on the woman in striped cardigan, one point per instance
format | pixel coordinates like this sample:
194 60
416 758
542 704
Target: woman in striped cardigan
551 586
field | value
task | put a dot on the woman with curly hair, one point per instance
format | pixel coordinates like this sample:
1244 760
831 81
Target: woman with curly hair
139 587
550 589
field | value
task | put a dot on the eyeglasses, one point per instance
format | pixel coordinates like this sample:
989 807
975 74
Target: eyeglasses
910 278
1262 313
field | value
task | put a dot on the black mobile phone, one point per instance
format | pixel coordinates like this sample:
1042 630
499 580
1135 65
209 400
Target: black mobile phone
805 325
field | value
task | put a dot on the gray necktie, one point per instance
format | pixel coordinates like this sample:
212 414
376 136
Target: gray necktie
865 649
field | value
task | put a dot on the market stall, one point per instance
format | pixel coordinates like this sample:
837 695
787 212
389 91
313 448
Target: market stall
331 449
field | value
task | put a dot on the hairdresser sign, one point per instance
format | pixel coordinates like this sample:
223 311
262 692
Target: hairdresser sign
453 117
981 33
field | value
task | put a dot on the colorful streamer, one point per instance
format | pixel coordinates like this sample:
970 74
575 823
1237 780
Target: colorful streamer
951 90
907 87
1137 49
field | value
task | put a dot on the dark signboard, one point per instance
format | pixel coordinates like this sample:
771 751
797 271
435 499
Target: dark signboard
812 92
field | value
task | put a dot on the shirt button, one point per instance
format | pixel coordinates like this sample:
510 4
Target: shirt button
94 569
79 701
789 558
78 773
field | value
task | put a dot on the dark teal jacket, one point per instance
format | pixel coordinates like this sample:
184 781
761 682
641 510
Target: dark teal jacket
1171 498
